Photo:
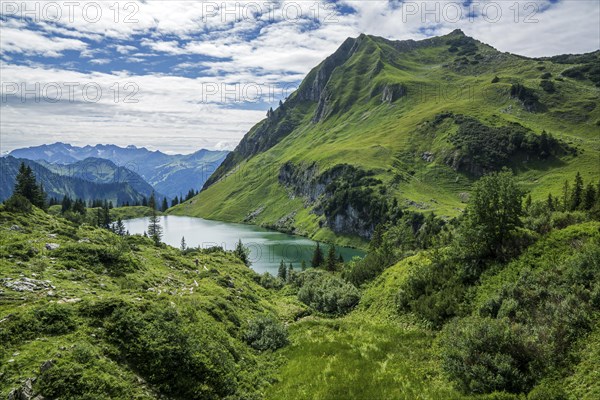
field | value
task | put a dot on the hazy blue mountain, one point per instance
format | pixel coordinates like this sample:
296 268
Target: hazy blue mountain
100 170
171 175
58 186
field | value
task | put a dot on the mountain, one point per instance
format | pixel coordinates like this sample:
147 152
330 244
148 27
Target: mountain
171 175
382 124
99 170
57 185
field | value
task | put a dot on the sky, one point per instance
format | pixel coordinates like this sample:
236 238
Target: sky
178 76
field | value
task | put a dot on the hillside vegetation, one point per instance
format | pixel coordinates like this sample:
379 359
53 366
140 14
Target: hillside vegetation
383 125
501 303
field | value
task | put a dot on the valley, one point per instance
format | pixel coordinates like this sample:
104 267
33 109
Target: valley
418 220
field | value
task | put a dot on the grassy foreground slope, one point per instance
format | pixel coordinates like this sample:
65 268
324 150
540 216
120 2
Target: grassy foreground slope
87 314
422 119
378 352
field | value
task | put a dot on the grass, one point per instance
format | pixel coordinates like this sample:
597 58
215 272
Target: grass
363 131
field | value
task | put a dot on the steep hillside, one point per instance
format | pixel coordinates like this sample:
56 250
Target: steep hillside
385 124
57 186
85 313
171 175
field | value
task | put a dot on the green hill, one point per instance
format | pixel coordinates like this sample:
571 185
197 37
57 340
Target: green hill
382 124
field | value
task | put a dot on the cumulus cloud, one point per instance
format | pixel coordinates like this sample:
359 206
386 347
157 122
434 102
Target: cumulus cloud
182 51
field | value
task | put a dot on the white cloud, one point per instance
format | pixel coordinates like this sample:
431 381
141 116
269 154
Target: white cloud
267 47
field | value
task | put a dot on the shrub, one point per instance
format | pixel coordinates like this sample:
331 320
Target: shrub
548 86
18 203
168 347
433 292
268 281
327 293
483 355
266 333
115 258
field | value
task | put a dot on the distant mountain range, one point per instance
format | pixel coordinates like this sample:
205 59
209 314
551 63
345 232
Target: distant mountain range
57 185
168 175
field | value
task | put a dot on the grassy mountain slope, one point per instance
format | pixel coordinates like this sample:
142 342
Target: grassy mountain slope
57 185
415 118
103 316
378 352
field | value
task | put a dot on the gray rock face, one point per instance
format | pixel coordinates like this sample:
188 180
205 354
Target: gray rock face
26 284
25 392
52 246
16 228
392 93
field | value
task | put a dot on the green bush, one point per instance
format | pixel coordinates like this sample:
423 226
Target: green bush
547 392
327 293
116 258
266 333
483 355
168 347
51 319
18 203
269 281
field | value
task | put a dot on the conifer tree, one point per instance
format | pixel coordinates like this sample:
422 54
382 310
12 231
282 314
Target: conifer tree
154 228
577 194
183 245
331 262
242 252
318 257
282 272
165 205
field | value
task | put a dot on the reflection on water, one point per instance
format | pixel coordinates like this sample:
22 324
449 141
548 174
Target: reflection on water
267 248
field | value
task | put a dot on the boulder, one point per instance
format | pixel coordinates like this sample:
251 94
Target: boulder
52 246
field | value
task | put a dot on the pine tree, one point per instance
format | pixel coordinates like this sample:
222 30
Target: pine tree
566 196
174 202
120 227
242 252
589 197
183 244
577 194
528 202
154 228
303 265
290 273
165 205
27 187
317 258
331 262
550 203
340 259
282 272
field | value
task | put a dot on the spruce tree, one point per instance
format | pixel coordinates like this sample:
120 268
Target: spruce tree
120 227
282 272
165 205
589 197
242 252
303 265
331 262
183 244
550 203
27 187
154 228
566 196
290 273
577 194
317 258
